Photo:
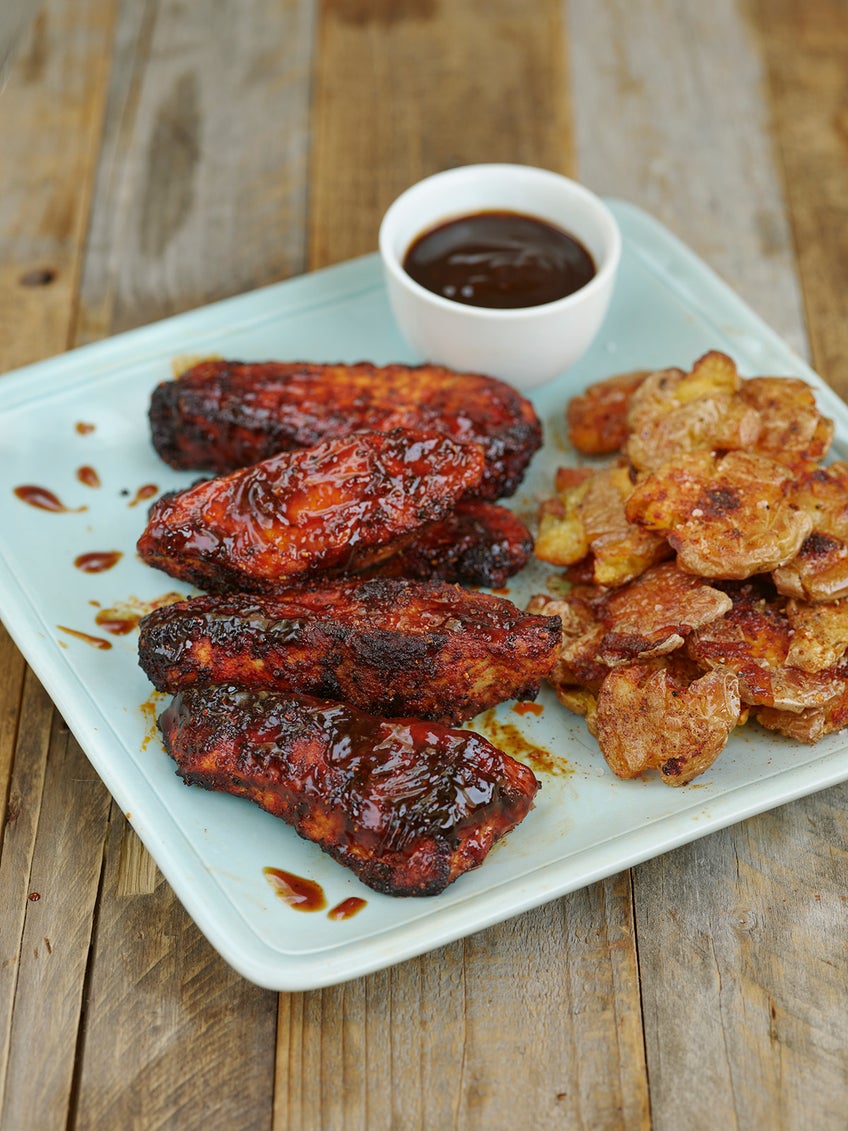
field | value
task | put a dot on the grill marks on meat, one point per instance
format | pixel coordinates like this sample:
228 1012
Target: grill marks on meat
224 415
345 504
389 647
407 805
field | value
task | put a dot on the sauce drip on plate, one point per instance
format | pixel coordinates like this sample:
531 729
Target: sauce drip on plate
88 476
299 893
97 561
347 908
43 499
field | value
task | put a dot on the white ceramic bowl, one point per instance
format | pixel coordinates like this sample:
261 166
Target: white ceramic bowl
525 346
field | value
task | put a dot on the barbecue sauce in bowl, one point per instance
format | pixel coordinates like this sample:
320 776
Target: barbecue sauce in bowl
501 260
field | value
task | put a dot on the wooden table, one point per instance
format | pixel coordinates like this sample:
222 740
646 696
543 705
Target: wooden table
157 156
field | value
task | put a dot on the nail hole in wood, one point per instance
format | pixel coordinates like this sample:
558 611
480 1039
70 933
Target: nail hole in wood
38 277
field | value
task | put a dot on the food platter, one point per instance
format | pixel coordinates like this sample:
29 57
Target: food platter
88 410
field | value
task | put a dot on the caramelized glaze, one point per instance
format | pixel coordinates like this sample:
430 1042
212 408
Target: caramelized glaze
407 805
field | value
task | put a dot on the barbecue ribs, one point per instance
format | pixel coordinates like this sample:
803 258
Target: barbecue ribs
479 544
223 415
407 805
389 647
345 504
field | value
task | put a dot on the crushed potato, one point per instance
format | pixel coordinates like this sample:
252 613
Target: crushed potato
706 566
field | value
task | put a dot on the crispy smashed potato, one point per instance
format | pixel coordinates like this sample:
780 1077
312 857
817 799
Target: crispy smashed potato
597 419
811 724
726 516
720 473
562 538
792 430
819 634
655 614
819 572
674 412
587 517
753 640
579 664
653 715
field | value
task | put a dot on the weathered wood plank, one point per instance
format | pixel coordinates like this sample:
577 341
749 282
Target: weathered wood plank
174 1037
201 190
19 839
744 959
806 54
11 689
60 905
49 133
49 129
741 936
656 86
535 1024
404 88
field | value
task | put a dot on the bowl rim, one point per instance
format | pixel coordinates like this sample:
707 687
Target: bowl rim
603 277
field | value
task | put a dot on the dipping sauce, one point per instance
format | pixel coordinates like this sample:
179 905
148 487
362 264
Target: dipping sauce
502 260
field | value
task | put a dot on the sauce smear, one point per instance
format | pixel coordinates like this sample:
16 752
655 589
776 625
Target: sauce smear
119 624
145 492
94 641
122 618
88 476
502 260
97 561
299 893
44 499
347 908
528 708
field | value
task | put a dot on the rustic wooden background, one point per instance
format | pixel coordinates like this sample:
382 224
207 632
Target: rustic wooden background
158 154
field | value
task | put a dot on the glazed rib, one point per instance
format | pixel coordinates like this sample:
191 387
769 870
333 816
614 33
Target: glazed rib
479 544
387 646
407 805
223 415
344 504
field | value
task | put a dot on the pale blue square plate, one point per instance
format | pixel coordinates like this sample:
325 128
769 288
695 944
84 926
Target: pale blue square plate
667 310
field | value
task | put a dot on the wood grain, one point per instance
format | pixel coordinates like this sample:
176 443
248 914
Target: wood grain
405 88
64 878
16 862
52 111
806 53
535 1023
656 86
173 1036
11 689
52 105
201 189
761 946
